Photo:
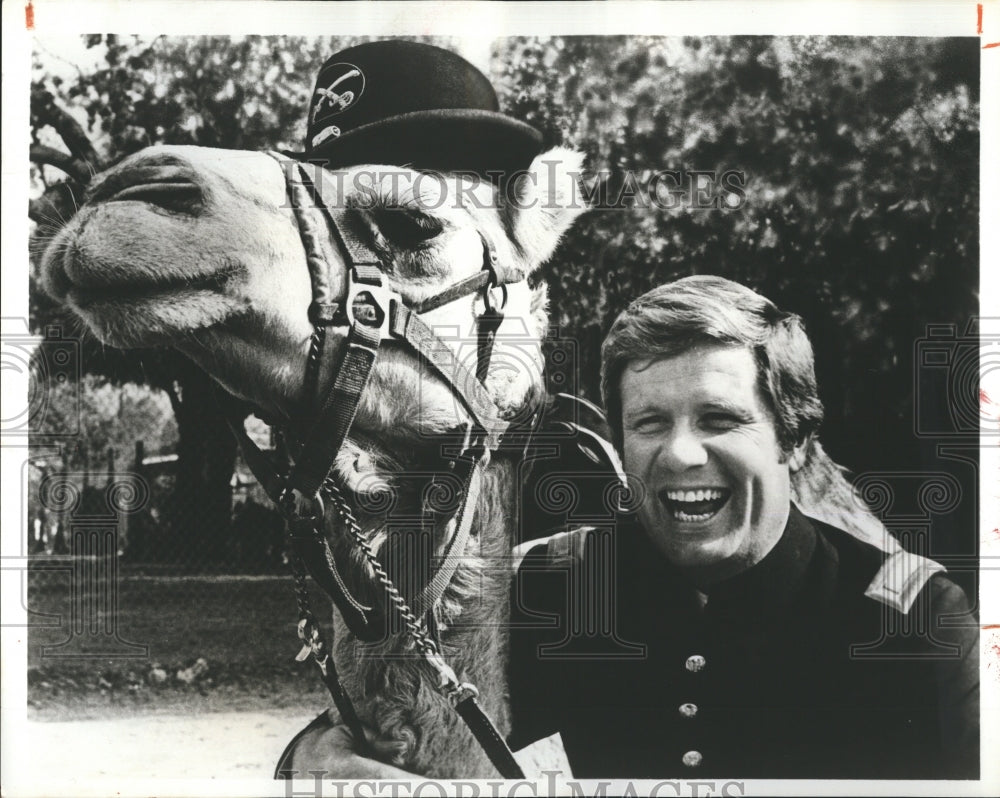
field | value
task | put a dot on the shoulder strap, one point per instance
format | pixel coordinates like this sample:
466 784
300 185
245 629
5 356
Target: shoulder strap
569 545
901 578
562 547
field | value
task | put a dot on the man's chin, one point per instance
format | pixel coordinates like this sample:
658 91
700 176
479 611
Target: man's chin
700 554
692 544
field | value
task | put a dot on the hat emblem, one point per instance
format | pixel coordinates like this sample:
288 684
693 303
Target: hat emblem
340 93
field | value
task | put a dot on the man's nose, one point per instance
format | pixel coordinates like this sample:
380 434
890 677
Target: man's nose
683 449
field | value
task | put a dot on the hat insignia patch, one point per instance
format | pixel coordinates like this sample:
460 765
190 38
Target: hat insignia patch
340 93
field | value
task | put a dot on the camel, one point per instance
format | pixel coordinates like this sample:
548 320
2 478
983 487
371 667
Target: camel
199 249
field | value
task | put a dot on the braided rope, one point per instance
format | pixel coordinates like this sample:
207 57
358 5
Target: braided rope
414 625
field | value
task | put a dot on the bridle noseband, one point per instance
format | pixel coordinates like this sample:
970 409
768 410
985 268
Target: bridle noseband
373 313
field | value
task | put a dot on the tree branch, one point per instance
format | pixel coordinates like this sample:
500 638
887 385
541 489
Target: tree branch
43 106
75 168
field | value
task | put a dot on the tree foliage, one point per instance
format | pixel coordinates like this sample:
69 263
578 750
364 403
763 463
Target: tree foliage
234 92
860 159
857 206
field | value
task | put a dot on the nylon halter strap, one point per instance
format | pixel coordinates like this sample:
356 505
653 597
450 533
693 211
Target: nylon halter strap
373 314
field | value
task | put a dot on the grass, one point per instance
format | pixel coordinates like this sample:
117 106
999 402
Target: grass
242 627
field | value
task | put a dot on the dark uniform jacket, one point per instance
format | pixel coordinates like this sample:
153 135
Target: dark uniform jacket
828 659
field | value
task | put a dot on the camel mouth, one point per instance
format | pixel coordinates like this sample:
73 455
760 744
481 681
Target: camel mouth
90 296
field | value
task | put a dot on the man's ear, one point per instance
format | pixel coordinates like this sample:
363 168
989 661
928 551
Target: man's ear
799 455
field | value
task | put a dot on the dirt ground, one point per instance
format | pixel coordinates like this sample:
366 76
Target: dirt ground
204 686
206 746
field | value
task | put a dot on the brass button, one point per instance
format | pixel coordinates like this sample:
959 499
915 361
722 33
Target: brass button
692 759
688 710
695 663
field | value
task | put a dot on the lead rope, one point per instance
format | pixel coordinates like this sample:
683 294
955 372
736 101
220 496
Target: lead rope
462 695
314 644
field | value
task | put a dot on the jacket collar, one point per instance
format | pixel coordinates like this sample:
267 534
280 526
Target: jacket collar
778 578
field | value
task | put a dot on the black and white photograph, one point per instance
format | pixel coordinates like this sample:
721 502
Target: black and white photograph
500 399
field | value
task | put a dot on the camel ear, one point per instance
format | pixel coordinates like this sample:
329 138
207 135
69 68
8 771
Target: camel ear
543 202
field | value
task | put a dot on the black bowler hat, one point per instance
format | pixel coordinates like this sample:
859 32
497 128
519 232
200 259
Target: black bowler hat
409 104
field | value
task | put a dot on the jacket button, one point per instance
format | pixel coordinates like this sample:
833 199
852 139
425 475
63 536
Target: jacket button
688 710
692 759
695 663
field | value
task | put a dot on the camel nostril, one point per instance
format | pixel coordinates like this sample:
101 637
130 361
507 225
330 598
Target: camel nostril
406 227
179 196
162 182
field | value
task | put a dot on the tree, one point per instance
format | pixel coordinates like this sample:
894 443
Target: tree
854 200
860 213
235 92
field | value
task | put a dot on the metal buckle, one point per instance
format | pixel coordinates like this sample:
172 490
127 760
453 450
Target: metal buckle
295 506
448 682
370 305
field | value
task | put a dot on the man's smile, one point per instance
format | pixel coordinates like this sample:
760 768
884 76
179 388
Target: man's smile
694 505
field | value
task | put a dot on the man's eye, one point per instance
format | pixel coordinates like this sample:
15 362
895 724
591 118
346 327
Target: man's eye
646 424
720 421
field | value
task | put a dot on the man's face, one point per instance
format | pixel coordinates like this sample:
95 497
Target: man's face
698 435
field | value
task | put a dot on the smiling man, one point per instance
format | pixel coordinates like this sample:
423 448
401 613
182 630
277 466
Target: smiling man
717 631
699 435
713 630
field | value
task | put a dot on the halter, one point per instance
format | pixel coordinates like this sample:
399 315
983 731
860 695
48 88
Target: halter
373 314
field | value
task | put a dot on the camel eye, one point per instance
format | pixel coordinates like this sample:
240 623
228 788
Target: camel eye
405 228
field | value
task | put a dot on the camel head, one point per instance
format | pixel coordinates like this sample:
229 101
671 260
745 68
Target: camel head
200 249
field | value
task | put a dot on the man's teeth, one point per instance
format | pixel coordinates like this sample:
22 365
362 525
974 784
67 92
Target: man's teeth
695 505
694 495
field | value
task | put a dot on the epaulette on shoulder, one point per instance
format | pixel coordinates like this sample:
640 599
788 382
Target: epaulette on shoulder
901 578
561 547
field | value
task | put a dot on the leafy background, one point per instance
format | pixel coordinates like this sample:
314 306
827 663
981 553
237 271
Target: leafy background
860 159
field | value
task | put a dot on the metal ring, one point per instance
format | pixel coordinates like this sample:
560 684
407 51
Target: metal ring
488 295
291 499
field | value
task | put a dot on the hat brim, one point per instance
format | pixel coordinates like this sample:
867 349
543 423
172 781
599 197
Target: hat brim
448 140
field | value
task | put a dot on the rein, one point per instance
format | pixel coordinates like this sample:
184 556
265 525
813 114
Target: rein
374 314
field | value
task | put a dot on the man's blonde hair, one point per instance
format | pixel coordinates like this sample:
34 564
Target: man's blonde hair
673 318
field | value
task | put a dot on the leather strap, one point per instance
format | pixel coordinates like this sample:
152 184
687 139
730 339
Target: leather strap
312 549
314 552
486 333
458 538
260 464
489 738
331 306
408 326
469 285
335 417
